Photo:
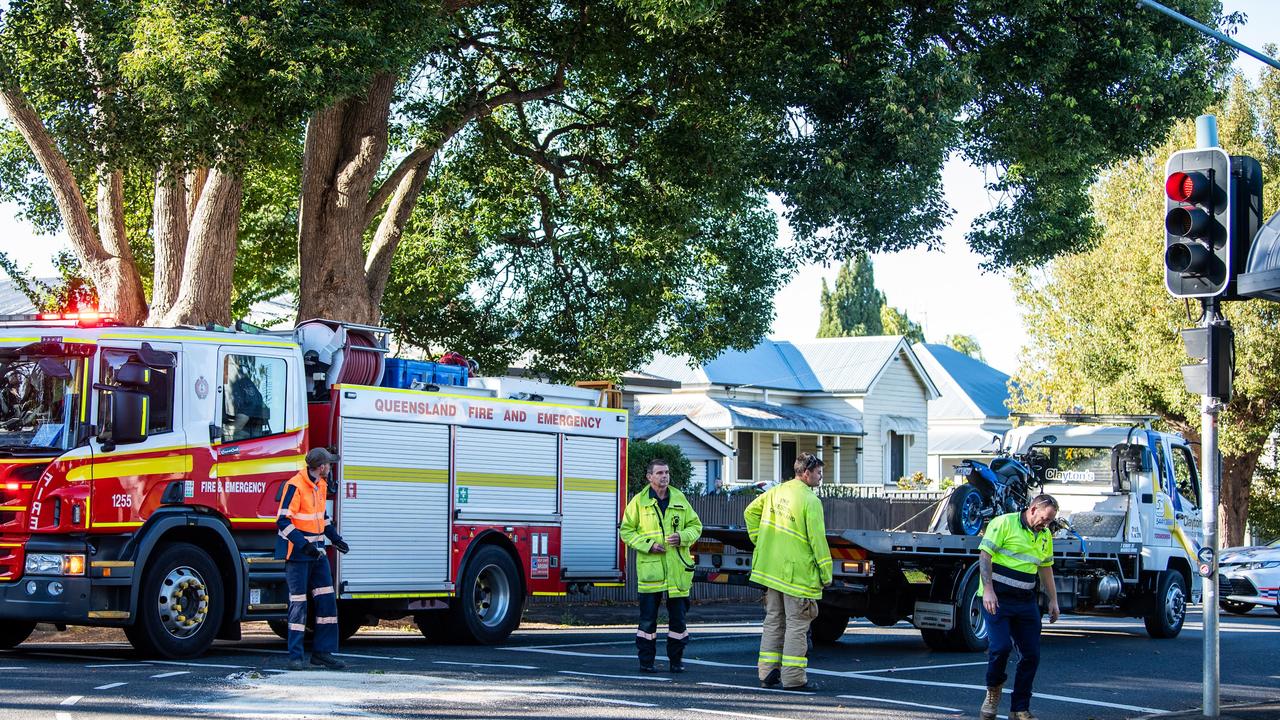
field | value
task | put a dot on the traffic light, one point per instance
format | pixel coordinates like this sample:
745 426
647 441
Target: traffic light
1198 223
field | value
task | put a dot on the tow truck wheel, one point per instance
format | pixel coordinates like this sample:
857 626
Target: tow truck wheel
969 632
1237 608
1169 606
829 625
489 601
179 604
12 633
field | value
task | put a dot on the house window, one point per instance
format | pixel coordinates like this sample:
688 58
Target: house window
746 456
897 456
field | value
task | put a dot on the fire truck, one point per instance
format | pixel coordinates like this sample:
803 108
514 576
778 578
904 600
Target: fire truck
141 470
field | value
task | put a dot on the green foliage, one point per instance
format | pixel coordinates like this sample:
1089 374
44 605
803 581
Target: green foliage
896 322
1103 330
853 307
71 291
966 344
1264 500
639 453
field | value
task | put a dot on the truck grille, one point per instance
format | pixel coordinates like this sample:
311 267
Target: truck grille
1098 525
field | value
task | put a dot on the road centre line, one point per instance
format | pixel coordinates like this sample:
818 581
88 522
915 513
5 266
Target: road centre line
630 639
901 702
858 675
735 714
63 716
118 665
584 698
264 651
180 663
923 667
109 686
650 678
71 700
175 673
756 689
503 666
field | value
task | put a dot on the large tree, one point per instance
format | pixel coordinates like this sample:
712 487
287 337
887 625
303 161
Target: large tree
1103 331
853 306
662 126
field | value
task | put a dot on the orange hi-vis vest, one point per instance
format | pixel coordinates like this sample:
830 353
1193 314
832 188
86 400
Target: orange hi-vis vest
303 510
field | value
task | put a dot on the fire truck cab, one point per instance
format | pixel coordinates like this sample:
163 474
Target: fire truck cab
141 468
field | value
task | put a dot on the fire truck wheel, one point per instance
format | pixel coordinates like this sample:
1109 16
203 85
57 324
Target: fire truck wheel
829 625
14 632
490 598
179 604
1169 606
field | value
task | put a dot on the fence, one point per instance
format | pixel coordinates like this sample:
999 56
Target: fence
883 510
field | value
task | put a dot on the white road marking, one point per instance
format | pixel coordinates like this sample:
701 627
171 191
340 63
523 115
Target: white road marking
923 667
373 657
63 716
273 670
175 673
197 664
12 667
650 678
549 651
72 700
1040 696
109 686
593 698
628 640
489 665
757 689
118 665
735 714
901 702
72 656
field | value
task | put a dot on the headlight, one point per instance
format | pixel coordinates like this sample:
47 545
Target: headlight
1270 564
42 564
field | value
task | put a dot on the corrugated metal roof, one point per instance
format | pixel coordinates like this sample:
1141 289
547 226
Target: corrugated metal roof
983 387
829 365
643 427
716 414
13 302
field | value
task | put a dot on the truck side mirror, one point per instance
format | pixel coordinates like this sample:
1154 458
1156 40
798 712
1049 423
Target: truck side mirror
1127 460
128 410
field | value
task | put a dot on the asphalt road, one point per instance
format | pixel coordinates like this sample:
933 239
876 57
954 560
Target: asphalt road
1091 668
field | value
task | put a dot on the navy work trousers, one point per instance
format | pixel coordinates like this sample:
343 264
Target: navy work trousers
311 577
1016 623
647 632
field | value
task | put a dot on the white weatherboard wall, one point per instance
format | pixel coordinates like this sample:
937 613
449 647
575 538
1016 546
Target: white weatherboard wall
505 474
398 473
588 535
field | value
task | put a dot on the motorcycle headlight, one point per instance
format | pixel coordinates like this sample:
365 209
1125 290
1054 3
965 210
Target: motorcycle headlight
40 564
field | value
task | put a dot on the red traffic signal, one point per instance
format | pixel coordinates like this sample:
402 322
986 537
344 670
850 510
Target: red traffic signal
1187 187
1197 223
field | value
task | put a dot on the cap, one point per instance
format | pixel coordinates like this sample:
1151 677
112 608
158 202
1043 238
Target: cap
319 456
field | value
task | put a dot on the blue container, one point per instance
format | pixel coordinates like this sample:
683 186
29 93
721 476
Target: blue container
400 373
450 374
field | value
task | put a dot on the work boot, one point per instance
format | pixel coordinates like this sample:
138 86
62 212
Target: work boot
772 680
646 651
297 664
1022 715
327 660
675 654
808 686
991 705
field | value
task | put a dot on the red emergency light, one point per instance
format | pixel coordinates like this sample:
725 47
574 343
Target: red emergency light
83 317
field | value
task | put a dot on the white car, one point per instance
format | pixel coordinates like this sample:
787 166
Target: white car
1248 577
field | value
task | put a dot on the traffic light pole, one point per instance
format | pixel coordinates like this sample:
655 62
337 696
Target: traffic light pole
1208 562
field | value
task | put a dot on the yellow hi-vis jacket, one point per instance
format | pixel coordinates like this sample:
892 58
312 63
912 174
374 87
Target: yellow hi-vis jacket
1017 554
790 534
643 524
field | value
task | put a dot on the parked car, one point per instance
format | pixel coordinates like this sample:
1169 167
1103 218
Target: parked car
1250 576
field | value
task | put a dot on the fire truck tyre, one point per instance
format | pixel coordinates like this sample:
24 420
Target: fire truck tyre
1169 606
1237 608
489 601
829 625
280 628
13 632
179 604
964 511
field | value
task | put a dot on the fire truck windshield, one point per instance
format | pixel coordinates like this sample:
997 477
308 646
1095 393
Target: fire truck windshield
42 404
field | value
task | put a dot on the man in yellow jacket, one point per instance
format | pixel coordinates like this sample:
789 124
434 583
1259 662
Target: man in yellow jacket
660 525
793 562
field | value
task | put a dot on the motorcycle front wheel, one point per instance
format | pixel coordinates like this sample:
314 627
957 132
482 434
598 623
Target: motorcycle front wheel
964 511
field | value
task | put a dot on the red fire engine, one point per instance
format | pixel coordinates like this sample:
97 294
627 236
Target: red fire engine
140 471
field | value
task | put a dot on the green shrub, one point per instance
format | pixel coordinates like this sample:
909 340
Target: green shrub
639 453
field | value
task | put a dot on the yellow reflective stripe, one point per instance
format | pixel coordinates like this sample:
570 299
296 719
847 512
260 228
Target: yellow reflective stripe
508 401
261 520
84 394
228 340
770 656
792 661
122 468
824 561
146 402
784 583
785 530
115 524
389 474
501 480
590 485
390 596
13 508
237 468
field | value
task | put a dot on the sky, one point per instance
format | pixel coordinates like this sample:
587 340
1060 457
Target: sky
944 290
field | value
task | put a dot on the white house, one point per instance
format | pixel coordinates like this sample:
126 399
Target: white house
971 410
860 403
706 452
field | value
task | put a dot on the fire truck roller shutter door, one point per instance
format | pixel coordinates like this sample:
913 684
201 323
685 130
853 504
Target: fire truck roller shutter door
588 541
393 494
506 474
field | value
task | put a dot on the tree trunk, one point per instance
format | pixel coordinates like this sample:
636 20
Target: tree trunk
169 220
194 182
209 263
344 148
120 279
114 274
1237 476
378 267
